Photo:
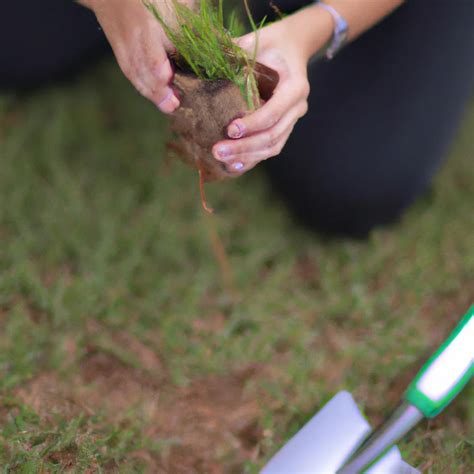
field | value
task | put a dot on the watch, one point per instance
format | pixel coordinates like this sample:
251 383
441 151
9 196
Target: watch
341 30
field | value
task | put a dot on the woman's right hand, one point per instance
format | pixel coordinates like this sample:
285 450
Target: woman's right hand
140 47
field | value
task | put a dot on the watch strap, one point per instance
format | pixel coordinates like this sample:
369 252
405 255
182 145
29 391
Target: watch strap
341 29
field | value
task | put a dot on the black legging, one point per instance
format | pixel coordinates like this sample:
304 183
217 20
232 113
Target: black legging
382 114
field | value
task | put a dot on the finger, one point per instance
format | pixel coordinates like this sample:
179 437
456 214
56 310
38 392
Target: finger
246 42
246 161
160 73
286 94
243 163
155 86
153 72
162 95
227 149
156 76
249 41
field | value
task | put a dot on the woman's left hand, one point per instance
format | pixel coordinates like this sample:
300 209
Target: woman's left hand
283 47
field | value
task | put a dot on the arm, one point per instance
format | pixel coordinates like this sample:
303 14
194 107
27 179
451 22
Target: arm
286 46
140 47
363 14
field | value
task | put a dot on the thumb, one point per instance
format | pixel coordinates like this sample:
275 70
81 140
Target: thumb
247 42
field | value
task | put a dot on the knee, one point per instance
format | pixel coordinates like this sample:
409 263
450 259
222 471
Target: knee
349 216
343 210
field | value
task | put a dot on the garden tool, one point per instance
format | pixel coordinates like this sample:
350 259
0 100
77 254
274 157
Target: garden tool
338 439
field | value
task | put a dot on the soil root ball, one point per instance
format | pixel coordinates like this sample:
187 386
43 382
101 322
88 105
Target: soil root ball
207 108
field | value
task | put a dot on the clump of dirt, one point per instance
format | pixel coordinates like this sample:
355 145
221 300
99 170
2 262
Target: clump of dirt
207 108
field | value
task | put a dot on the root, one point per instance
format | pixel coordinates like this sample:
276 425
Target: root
218 248
217 245
202 191
222 258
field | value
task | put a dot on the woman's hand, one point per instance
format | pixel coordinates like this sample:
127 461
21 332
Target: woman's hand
140 46
285 46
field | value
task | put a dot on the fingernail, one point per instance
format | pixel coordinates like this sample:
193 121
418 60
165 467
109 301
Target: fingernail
238 166
222 151
174 102
170 103
236 130
169 94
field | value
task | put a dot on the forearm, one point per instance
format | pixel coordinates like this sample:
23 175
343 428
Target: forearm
363 14
314 25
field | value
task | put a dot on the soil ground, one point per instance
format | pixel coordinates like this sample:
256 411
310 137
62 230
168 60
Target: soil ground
120 350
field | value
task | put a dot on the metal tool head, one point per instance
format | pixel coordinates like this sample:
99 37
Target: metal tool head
327 441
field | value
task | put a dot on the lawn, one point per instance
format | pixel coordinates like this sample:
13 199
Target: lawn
121 349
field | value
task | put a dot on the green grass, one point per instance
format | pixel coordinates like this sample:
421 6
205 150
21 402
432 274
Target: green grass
115 328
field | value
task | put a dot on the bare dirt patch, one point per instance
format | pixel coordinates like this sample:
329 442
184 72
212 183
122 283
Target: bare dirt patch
209 424
111 386
212 419
202 424
47 395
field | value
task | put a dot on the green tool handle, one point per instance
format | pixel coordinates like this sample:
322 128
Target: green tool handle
446 372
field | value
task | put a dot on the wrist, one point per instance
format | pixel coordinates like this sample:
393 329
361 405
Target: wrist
314 28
